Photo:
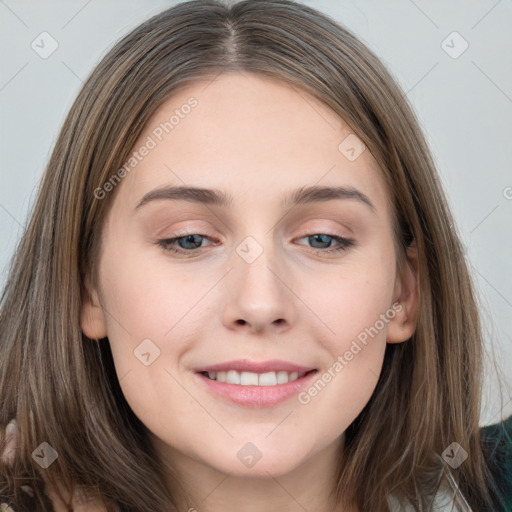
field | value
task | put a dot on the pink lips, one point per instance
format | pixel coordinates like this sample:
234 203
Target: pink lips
256 396
245 365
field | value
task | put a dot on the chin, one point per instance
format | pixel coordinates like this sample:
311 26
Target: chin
258 459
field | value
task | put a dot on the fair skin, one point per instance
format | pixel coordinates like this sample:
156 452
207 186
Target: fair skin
255 139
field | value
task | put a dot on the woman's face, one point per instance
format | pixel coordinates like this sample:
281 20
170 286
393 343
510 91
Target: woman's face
260 277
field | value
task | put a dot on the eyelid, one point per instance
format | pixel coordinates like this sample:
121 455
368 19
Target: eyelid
314 230
178 233
203 229
205 233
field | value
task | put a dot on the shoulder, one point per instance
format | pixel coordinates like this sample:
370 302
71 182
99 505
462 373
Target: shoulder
497 445
47 495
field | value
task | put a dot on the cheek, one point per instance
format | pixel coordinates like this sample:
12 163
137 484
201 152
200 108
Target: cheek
354 298
152 316
145 300
360 310
355 348
355 311
149 301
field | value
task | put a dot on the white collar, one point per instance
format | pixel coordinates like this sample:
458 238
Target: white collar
448 498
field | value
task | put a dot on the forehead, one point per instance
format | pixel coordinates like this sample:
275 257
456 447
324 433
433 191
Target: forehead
252 136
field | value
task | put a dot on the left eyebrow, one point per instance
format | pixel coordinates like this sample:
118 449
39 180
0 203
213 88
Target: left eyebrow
215 197
317 194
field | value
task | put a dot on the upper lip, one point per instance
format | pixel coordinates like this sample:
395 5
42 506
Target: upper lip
245 365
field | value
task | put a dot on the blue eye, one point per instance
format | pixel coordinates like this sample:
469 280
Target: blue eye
344 243
186 244
189 243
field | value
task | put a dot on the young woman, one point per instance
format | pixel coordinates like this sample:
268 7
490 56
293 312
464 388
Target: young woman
240 288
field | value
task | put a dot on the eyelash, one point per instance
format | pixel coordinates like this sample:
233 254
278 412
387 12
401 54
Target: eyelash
168 244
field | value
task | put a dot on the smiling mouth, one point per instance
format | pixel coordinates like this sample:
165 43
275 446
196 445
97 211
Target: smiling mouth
255 379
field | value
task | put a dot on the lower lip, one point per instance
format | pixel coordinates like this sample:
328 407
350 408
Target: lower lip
257 396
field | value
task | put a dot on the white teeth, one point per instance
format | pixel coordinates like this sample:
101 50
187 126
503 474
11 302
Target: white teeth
249 379
267 379
282 377
254 379
232 377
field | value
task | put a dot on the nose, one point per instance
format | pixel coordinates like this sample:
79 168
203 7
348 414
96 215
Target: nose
258 295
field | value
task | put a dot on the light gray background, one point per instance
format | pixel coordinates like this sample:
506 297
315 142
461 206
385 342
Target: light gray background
464 105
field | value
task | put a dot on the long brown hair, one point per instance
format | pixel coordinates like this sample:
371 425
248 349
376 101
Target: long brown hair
62 387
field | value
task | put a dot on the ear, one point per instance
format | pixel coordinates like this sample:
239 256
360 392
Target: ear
92 317
406 292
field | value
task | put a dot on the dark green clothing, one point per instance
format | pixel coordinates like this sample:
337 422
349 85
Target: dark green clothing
498 450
